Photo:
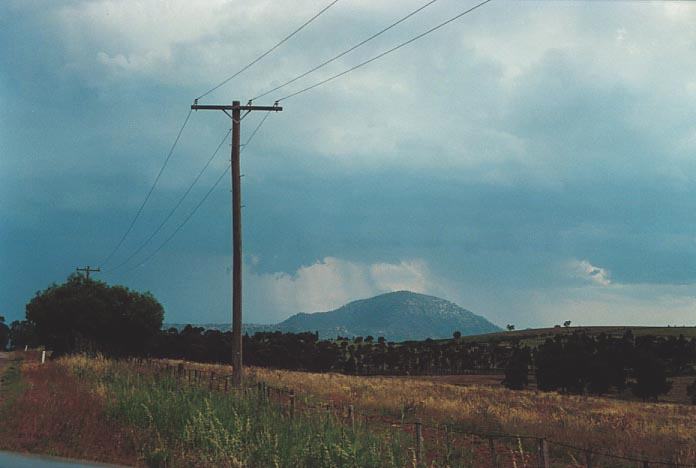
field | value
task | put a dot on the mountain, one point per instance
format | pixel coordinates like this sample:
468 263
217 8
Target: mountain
398 316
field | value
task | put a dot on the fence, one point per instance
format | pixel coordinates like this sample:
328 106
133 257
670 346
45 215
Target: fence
430 442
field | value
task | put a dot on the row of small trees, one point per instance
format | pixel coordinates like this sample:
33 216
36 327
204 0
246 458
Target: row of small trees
579 363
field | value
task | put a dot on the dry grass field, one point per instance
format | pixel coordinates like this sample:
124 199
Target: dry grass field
677 393
90 398
657 431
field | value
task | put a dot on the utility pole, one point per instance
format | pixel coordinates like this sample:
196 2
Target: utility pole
236 117
87 270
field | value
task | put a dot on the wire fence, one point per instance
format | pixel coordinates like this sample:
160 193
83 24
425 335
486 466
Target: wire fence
444 444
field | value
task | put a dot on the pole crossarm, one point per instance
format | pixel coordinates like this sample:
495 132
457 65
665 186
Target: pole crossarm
87 270
236 115
233 107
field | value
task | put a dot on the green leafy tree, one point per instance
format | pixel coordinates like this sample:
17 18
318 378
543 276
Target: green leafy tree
87 315
517 369
650 373
22 334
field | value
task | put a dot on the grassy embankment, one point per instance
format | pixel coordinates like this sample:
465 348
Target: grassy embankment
51 412
115 412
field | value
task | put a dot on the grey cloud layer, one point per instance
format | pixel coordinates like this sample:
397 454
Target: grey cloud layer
524 140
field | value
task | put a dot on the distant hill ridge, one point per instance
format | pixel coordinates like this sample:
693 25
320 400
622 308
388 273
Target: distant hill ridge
398 316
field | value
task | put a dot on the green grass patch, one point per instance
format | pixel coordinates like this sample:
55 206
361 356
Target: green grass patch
179 425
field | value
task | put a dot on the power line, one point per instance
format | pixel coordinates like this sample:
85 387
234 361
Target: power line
393 49
205 197
171 212
149 193
250 64
336 57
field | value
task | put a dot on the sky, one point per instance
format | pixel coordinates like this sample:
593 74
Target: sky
534 162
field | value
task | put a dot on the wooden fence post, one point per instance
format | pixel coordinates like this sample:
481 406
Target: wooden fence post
351 415
588 458
543 454
494 455
292 403
447 444
419 442
210 384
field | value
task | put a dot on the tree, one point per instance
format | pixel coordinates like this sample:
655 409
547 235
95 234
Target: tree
517 369
457 335
87 315
4 333
22 333
510 327
651 377
691 392
567 323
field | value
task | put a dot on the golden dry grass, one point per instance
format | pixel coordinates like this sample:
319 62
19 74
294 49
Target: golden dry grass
653 430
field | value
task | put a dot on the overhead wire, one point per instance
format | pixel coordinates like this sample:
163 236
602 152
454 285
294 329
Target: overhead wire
200 203
282 41
149 193
376 57
347 51
176 206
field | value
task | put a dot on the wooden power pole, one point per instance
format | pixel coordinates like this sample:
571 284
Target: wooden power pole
88 270
236 117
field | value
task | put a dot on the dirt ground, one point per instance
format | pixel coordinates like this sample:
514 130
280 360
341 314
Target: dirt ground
4 360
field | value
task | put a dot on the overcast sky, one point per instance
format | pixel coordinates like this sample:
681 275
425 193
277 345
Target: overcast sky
533 162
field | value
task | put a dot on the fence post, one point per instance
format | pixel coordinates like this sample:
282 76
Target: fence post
292 403
226 382
210 384
447 444
543 454
419 442
494 455
43 356
351 415
588 458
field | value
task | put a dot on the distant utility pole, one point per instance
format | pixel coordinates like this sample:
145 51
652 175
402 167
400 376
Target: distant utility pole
88 270
236 110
